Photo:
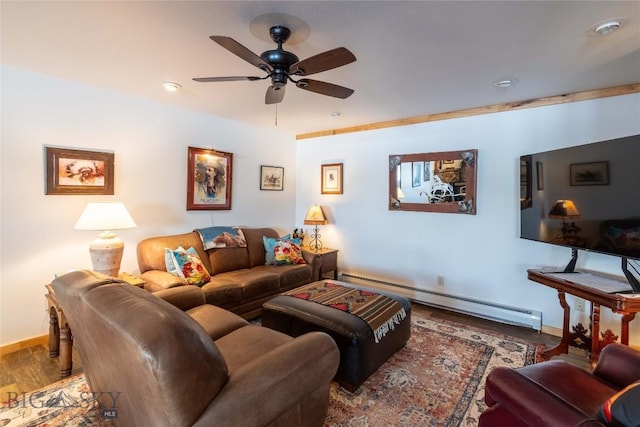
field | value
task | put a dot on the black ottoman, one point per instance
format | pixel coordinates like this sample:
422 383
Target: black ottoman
360 355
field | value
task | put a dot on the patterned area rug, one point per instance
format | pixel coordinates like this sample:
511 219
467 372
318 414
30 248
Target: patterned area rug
436 380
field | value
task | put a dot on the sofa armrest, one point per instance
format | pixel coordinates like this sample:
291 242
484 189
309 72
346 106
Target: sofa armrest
261 391
184 297
314 261
619 365
531 403
157 280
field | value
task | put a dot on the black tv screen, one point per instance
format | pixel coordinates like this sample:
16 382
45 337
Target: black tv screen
585 197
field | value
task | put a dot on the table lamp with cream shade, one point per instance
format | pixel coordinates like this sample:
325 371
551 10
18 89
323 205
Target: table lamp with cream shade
315 216
106 250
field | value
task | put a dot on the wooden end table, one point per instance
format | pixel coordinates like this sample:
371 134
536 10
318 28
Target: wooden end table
328 261
60 336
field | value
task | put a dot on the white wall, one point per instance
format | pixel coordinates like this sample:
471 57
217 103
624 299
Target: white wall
479 256
150 142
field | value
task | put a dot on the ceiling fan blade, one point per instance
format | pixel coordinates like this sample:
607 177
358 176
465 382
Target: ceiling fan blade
237 49
226 79
322 62
325 88
275 94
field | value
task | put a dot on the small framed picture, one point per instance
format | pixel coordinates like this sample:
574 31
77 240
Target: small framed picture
540 175
70 171
427 171
208 179
595 173
331 175
271 178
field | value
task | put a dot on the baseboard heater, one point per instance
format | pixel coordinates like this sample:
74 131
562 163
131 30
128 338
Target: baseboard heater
524 317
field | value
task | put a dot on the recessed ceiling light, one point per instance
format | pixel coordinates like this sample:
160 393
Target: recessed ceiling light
505 82
335 114
171 86
607 27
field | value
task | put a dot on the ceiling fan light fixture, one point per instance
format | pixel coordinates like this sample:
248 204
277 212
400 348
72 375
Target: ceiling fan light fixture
171 86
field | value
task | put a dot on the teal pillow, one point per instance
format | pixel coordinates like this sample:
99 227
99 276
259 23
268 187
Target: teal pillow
270 246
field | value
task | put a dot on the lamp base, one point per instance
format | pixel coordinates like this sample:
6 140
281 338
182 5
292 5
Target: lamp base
106 255
315 243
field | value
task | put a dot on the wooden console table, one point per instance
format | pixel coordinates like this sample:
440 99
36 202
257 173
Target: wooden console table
599 291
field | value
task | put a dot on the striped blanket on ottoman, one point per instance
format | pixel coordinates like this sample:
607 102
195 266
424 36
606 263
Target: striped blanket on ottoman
380 312
368 327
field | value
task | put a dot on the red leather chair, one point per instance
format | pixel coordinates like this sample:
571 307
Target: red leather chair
556 393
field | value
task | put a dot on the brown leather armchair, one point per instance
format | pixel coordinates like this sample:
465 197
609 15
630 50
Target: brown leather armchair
556 393
153 364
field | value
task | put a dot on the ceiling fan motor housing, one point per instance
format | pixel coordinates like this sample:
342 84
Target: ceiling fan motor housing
280 60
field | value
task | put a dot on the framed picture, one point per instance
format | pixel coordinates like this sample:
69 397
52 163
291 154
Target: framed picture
427 171
526 200
271 178
208 179
416 174
331 179
540 175
595 173
70 171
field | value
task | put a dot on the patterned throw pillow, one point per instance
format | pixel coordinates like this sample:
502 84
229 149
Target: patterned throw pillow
288 252
187 264
623 408
270 245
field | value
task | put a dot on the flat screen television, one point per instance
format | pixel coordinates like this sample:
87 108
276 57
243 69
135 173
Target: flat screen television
585 197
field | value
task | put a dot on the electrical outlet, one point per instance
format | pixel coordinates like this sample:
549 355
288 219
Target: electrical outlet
440 280
579 304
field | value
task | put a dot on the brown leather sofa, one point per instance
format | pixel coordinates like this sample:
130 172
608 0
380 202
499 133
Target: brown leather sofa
556 393
151 364
240 280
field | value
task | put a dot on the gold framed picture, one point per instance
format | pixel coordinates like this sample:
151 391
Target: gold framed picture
331 179
71 171
208 179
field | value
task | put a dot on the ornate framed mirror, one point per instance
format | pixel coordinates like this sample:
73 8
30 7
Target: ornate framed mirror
433 182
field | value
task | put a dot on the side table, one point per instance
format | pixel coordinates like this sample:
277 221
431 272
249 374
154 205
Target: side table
132 280
328 261
599 291
60 338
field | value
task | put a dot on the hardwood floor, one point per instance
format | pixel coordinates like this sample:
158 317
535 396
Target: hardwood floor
31 368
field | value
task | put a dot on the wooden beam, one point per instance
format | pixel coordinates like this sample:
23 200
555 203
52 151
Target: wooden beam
497 108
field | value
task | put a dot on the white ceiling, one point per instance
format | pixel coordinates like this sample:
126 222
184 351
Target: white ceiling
413 58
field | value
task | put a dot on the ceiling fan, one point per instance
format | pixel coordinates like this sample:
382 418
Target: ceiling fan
281 65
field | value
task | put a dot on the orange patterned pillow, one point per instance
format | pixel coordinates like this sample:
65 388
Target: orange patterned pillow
187 264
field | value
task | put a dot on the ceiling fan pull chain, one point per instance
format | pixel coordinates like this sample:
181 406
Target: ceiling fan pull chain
276 114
